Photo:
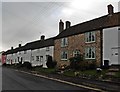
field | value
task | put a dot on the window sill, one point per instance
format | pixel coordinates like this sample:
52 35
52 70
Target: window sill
64 59
90 58
90 42
64 46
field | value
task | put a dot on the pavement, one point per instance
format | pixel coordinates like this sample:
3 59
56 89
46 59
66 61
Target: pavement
14 80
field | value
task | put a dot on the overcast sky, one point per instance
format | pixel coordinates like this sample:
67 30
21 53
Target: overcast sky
24 22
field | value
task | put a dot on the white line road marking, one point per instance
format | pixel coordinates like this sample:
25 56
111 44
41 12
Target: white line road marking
62 81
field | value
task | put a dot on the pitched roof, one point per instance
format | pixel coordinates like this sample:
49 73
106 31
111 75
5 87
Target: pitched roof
39 44
92 25
32 45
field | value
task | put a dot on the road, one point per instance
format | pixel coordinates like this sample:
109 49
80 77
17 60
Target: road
14 80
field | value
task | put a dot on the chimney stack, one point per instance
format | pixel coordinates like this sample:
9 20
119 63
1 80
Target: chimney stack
61 26
68 23
110 9
11 48
19 45
42 37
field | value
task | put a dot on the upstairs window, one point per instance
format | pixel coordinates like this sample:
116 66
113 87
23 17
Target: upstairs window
90 37
64 42
25 52
47 48
90 52
64 55
32 58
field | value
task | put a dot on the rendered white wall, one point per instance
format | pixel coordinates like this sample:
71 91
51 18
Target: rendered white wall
110 40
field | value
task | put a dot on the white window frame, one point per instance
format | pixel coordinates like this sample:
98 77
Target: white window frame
64 42
88 38
47 48
64 57
41 59
87 51
25 52
76 53
37 58
32 57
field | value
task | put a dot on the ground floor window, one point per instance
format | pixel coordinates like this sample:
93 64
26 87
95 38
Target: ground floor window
37 58
76 53
32 58
41 58
64 55
90 52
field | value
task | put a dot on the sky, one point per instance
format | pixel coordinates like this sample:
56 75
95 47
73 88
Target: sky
23 22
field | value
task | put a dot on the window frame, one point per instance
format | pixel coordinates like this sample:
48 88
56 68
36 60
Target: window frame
25 52
64 57
87 35
41 59
75 53
47 48
93 49
64 42
37 58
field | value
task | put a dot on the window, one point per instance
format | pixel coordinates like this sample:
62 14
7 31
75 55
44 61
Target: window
19 53
90 53
37 58
64 55
47 48
76 53
41 58
32 58
90 37
64 42
25 52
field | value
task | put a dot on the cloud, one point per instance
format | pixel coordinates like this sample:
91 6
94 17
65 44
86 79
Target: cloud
27 21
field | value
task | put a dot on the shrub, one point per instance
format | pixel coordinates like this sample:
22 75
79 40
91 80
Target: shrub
50 63
18 65
4 64
75 62
27 65
79 62
92 65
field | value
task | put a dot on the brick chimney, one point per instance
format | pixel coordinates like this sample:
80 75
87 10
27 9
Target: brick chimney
19 45
110 9
68 23
42 37
61 26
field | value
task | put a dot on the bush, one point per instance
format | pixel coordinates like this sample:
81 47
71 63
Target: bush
4 64
92 65
50 63
78 62
27 65
75 62
18 65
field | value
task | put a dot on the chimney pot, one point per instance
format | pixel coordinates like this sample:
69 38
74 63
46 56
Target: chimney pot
42 37
68 24
61 26
19 45
110 9
11 48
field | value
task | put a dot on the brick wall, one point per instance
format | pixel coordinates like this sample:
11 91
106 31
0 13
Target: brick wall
77 42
